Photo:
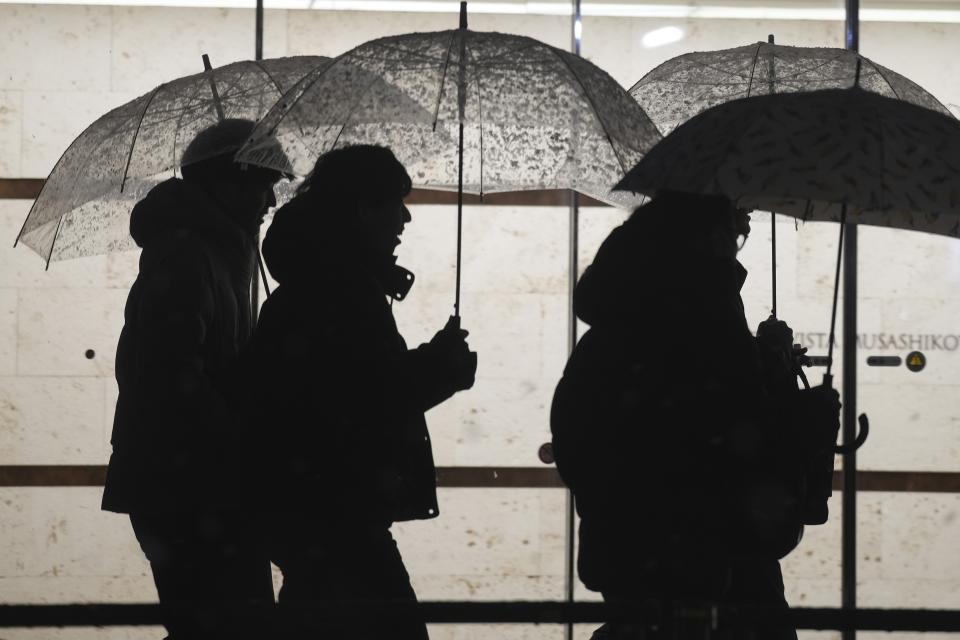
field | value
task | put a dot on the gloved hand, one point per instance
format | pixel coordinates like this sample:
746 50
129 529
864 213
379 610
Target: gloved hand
775 334
781 358
451 348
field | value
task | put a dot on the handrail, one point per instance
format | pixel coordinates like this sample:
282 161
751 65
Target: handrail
522 612
487 478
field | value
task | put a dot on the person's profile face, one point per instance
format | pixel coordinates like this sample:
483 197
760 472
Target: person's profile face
258 197
385 224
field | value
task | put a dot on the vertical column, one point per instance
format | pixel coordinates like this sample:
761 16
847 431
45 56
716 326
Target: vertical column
574 247
257 55
849 387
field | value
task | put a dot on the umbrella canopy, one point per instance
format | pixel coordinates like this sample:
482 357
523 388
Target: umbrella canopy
84 206
534 116
812 155
684 86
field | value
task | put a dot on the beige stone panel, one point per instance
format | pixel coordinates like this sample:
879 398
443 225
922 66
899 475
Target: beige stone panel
756 257
57 326
506 632
429 249
53 119
817 260
616 44
21 267
144 58
908 48
66 589
499 422
506 533
553 30
11 134
913 426
54 47
328 33
817 558
596 223
51 420
505 249
122 269
8 331
86 633
57 531
516 249
110 394
917 550
881 635
904 264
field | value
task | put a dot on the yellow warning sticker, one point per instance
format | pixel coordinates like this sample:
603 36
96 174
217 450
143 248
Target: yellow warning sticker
916 361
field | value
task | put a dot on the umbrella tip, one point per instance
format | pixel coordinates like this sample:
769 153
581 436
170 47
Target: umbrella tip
770 39
206 62
463 15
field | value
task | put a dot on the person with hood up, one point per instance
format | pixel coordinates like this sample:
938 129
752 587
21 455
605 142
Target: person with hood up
342 399
178 459
683 437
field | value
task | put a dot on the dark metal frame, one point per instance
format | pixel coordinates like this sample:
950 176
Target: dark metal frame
846 481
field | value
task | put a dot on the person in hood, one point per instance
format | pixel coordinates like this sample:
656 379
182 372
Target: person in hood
178 462
343 398
683 437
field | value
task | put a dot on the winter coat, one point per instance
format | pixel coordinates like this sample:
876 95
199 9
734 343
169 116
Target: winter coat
341 398
187 316
662 428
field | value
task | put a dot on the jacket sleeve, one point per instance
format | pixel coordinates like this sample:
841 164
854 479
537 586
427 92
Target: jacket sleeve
180 409
381 380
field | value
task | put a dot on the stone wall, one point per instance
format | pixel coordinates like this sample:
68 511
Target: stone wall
62 66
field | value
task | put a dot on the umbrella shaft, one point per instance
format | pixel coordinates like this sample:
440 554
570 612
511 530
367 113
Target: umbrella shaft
773 260
836 289
456 305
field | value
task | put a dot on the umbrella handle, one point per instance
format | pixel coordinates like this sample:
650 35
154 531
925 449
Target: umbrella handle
844 449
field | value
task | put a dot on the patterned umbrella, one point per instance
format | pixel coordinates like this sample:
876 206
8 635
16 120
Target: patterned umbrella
813 155
842 155
84 206
466 111
682 87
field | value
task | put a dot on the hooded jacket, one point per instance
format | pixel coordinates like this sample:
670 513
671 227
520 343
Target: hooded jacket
175 429
661 428
342 399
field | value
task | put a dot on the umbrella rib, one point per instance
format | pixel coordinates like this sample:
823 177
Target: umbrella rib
133 141
350 113
479 122
307 86
884 76
54 242
593 106
753 69
443 81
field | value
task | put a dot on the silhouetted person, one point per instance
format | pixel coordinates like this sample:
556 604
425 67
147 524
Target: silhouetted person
342 397
682 436
178 466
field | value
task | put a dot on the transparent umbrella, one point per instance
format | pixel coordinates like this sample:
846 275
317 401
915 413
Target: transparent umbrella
468 111
682 87
688 84
84 206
